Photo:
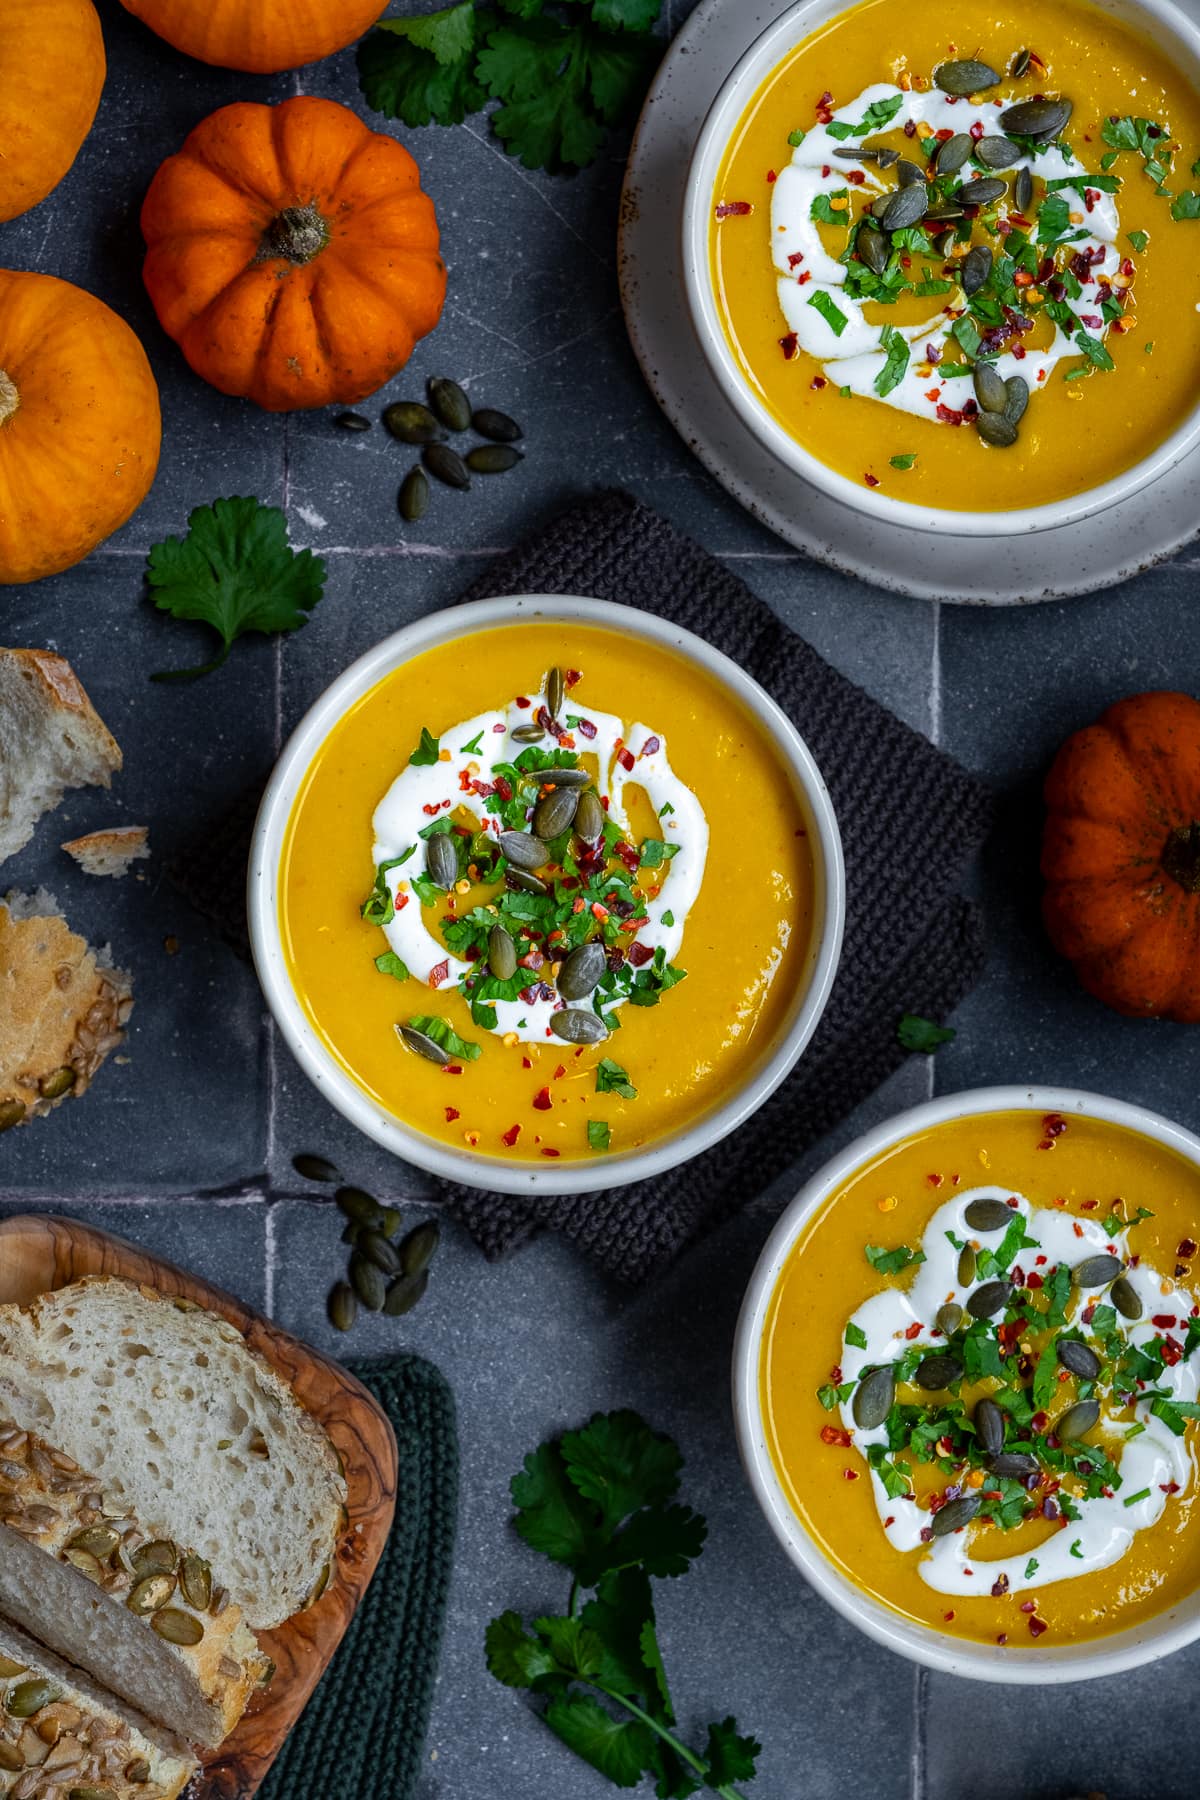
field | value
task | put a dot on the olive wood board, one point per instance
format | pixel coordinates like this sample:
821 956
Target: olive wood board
38 1253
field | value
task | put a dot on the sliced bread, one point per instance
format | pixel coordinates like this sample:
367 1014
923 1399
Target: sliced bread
195 1435
60 1734
111 851
51 738
80 1571
61 1010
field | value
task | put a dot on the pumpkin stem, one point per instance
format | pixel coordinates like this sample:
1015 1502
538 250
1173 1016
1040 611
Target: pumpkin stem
9 397
297 234
1181 857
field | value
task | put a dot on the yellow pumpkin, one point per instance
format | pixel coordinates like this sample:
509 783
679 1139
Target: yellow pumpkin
51 73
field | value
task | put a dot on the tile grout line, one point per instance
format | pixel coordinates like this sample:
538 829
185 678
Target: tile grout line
269 1256
935 734
917 1761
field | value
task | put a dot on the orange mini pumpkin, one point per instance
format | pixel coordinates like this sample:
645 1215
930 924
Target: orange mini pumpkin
51 73
79 424
291 253
1121 856
259 36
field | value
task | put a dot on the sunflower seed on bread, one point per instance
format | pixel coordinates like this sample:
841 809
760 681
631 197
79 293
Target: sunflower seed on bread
111 851
61 1734
51 738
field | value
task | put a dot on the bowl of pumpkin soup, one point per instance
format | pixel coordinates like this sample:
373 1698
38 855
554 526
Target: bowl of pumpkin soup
943 266
967 1384
546 893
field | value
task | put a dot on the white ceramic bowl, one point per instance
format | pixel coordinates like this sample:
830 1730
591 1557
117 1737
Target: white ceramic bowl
1169 1630
1162 20
777 1057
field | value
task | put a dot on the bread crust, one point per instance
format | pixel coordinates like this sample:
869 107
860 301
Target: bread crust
51 738
109 852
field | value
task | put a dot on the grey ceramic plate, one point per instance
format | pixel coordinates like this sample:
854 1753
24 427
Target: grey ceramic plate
1075 559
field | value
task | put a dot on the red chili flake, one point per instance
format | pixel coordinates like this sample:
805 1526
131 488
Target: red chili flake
401 902
1040 1260
910 128
771 175
1168 1487
452 1113
857 177
914 1330
1164 1321
542 1101
1020 352
890 1520
438 973
789 345
802 278
639 954
1187 1247
826 171
527 1062
511 1135
817 383
926 1530
452 1069
598 911
499 728
1053 1126
1172 1352
551 1152
999 1586
872 481
935 1181
949 416
968 1571
1034 1280
1002 1637
934 394
430 811
523 700
948 1617
833 1434
1088 1313
1077 1228
728 209
1040 1421
1029 1606
503 788
625 758
835 1374
1037 1627
796 257
1089 1205
849 1474
560 1071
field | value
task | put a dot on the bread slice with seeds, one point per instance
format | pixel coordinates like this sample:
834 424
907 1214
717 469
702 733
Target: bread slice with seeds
111 851
51 738
80 1571
60 1734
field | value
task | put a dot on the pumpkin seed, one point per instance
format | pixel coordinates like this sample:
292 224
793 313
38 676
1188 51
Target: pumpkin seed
523 849
342 1306
1037 119
528 734
94 1793
949 1318
421 1045
988 1299
981 192
148 1595
992 396
357 1204
411 422
942 212
996 430
574 1026
404 1293
416 1252
1023 192
441 860
1020 67
1125 1298
53 1087
908 174
157 1558
954 153
97 1540
997 152
29 1697
195 1581
86 1563
389 1221
905 208
937 1372
178 1627
555 812
315 1168
873 1398
493 459
11 1760
502 954
576 778
352 1233
988 1421
413 498
976 269
581 970
1077 1358
1017 403
1013 1463
589 820
383 1254
1077 1421
11 1113
965 77
496 425
873 247
319 1586
352 421
863 155
446 464
1096 1271
449 402
9 1668
879 207
966 1265
988 1215
368 1282
955 1514
525 881
945 243
556 688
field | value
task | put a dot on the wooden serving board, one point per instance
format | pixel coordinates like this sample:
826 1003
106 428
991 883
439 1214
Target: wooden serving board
38 1253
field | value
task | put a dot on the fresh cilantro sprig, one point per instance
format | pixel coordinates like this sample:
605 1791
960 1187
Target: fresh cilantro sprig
235 571
916 1033
563 74
601 1502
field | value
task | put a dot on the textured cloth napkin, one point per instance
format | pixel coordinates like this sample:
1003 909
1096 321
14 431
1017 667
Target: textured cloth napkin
911 820
363 1731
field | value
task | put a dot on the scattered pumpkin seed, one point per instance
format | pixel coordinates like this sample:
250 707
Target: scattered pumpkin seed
138 1771
29 1697
982 192
422 1045
413 498
502 954
575 1026
976 269
988 1421
966 1265
1017 403
1077 1421
53 1087
1125 1298
195 1581
992 396
357 1204
873 1398
996 430
1013 1463
555 812
944 243
417 1250
954 153
1077 1357
908 174
11 1113
905 208
937 1372
446 464
353 1232
342 1306
315 1168
449 402
389 1221
997 152
367 1280
863 155
965 77
148 1595
573 778
879 207
589 819
404 1293
949 1318
1020 66
526 881
177 1627
493 459
496 425
97 1540
1096 1271
556 689
411 422
988 1215
944 212
1041 120
582 968
157 1558
955 1514
873 247
352 421
380 1251
11 1760
441 861
86 1563
528 734
1023 192
523 849
988 1299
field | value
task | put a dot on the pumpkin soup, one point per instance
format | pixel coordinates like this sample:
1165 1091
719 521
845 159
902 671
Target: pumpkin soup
573 943
960 267
980 1378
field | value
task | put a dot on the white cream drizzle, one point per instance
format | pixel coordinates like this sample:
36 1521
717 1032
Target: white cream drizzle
855 359
419 794
1152 1459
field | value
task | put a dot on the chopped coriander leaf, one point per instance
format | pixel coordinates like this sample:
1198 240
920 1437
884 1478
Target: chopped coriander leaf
612 1079
1148 138
1187 206
1031 1568
1094 350
823 211
1104 184
966 332
916 1033
894 1483
1142 1494
443 1033
473 748
1139 240
668 918
831 1396
390 964
895 367
377 908
665 810
426 752
599 1134
829 310
1054 221
654 852
796 138
856 1336
1174 1414
892 1262
845 392
904 462
1075 1550
877 115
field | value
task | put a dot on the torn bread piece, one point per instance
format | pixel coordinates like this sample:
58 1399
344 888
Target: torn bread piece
62 1009
111 851
51 738
62 1734
104 1589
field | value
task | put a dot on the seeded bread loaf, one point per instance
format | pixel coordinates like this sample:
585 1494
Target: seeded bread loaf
194 1434
80 1571
60 1735
109 852
51 738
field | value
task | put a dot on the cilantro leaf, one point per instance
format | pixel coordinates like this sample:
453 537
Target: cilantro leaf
235 571
612 1079
618 1462
443 1033
1045 1379
422 70
830 311
599 1134
822 211
856 1336
730 1757
391 964
560 86
1187 206
892 1262
904 462
553 1517
620 1749
654 852
513 1656
425 754
916 1033
895 367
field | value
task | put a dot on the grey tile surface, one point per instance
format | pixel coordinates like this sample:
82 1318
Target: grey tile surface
177 1146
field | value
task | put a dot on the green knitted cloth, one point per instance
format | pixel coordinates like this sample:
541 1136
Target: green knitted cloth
364 1728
